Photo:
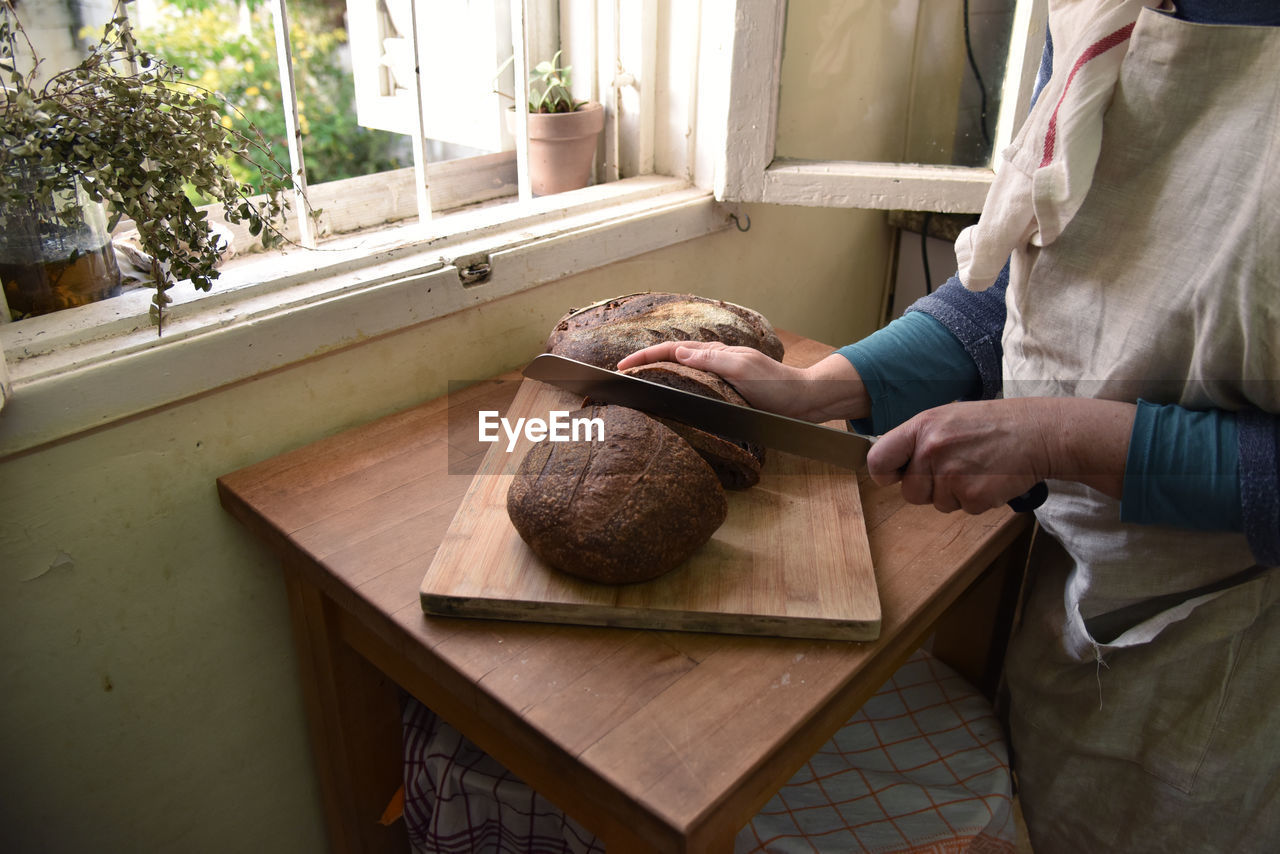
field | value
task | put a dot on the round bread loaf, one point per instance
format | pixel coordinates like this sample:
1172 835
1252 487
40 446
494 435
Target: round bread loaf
627 508
736 463
602 334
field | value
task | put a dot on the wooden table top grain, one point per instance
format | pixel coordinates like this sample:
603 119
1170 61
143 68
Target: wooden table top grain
654 740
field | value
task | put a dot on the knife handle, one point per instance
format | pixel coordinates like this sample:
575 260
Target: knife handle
1031 499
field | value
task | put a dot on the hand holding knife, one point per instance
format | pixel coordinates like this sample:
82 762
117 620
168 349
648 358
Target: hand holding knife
815 441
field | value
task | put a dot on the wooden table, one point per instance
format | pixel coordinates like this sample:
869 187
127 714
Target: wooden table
654 740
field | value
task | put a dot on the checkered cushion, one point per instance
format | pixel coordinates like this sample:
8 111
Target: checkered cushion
921 767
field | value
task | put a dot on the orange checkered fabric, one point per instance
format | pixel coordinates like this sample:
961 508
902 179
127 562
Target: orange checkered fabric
922 767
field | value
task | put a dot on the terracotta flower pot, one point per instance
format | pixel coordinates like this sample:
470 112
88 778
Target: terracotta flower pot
562 147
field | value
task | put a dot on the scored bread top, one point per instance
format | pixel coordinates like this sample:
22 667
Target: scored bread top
625 508
604 333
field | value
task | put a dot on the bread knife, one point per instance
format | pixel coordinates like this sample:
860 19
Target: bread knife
843 448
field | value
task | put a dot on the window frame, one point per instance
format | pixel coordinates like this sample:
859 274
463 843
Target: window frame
79 369
752 172
84 372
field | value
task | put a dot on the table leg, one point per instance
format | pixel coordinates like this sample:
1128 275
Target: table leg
972 635
537 764
354 714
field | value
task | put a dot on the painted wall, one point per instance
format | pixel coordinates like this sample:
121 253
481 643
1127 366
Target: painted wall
917 100
149 698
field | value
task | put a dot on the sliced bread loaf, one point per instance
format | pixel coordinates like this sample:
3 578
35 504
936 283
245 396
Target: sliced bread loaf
736 463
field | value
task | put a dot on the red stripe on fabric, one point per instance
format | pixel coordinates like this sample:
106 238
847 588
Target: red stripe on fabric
1093 51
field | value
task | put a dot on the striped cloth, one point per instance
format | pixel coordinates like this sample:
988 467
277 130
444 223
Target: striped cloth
460 800
1045 173
921 767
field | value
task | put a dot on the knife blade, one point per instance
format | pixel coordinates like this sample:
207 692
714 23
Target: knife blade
803 438
844 448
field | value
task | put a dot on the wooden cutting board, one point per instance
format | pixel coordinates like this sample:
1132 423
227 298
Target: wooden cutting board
790 560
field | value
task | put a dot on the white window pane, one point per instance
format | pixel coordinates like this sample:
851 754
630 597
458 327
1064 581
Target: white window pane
464 43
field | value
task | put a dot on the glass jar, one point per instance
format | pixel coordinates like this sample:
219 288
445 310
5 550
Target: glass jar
55 251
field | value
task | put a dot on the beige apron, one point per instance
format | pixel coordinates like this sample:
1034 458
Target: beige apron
1164 733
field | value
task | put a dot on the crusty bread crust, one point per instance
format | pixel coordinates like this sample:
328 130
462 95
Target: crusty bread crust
625 509
737 464
685 378
638 503
602 334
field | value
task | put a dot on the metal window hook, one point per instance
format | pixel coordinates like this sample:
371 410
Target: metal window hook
739 222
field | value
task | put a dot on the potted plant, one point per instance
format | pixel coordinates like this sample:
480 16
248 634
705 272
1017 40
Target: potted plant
563 131
122 134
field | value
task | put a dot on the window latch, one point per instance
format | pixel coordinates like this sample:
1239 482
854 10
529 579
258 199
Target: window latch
473 269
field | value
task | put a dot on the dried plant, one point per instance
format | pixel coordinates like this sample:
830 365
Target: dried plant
127 128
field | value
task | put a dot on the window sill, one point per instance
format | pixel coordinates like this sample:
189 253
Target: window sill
88 367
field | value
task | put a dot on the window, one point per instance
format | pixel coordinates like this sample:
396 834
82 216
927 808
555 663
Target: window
393 261
757 170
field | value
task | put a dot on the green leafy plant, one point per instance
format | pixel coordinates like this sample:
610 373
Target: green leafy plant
554 96
127 127
548 86
233 52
